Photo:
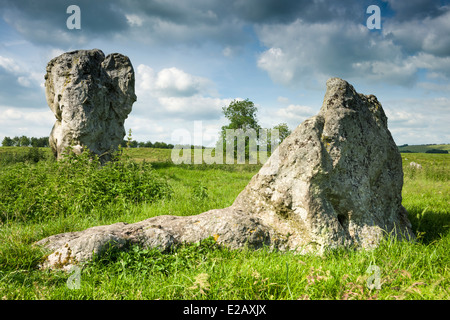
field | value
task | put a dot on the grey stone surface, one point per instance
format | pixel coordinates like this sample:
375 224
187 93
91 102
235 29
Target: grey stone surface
338 179
335 181
228 226
91 96
415 165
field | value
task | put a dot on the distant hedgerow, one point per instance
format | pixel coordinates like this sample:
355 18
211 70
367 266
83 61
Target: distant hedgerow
30 154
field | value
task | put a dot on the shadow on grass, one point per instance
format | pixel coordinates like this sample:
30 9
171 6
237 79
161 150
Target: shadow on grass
428 225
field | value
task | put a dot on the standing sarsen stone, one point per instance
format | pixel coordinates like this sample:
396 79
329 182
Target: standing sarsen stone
336 180
91 96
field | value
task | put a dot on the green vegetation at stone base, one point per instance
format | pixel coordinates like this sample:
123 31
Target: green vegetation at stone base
77 185
10 155
419 270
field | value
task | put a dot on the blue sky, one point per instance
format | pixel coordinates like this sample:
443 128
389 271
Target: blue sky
193 57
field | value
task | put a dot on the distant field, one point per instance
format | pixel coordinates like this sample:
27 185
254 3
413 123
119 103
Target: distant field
136 154
20 150
164 155
424 148
150 154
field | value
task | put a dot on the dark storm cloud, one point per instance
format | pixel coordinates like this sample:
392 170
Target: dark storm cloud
247 11
44 21
179 12
415 9
420 26
174 21
287 11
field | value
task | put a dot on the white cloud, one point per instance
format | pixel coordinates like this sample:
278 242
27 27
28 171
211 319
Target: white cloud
399 72
10 115
175 93
283 100
295 111
434 65
28 122
171 82
22 74
32 79
280 67
134 20
227 52
31 116
171 98
145 79
53 53
293 114
175 82
430 35
9 65
407 119
419 120
194 107
434 87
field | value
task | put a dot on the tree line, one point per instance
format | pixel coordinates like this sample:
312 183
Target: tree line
42 142
25 141
148 144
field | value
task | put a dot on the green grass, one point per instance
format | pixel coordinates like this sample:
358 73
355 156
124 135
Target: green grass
150 154
419 270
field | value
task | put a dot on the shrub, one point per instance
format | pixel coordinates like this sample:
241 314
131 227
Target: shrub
436 151
75 185
33 154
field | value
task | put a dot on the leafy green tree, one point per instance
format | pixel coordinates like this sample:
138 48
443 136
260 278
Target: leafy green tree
133 144
39 142
7 142
24 141
283 131
242 117
34 142
266 136
160 145
16 141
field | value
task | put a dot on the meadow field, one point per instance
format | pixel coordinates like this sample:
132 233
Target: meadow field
40 197
424 148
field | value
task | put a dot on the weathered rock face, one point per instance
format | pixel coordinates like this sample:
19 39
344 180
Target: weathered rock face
230 226
91 96
335 181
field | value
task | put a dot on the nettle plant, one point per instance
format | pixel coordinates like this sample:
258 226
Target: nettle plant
77 184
